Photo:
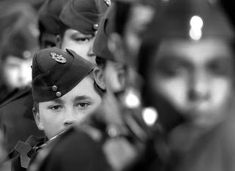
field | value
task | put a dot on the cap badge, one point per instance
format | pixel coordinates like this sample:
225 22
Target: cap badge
58 58
95 26
107 2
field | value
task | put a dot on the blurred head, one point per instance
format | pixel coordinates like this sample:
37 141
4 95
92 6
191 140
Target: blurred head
18 42
50 26
119 29
129 20
189 70
78 21
64 89
113 70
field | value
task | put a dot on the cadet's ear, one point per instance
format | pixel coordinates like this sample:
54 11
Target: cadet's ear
99 77
116 46
37 119
58 41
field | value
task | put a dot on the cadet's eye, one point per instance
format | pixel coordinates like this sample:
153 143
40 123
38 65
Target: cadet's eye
219 67
170 69
83 105
55 107
81 38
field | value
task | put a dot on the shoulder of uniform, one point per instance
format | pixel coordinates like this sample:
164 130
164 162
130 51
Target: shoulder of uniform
15 95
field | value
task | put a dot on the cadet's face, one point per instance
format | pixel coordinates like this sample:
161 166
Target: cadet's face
82 44
17 72
196 77
75 106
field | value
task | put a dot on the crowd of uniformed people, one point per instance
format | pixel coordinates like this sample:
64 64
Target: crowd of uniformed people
117 85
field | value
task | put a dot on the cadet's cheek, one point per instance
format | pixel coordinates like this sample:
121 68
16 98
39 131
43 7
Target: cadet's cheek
221 91
174 90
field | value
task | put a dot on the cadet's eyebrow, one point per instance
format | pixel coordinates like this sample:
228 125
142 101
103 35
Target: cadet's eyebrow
84 97
75 34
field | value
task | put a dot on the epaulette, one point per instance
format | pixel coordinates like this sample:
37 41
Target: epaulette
26 150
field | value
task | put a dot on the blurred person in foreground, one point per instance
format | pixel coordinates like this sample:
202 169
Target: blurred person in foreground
186 61
71 24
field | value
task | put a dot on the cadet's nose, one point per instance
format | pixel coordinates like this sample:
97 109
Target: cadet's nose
69 119
199 89
90 52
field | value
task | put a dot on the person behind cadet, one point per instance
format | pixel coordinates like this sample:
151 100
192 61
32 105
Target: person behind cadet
18 41
49 24
75 24
80 34
186 61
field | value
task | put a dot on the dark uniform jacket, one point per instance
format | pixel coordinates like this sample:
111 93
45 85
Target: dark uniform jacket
16 118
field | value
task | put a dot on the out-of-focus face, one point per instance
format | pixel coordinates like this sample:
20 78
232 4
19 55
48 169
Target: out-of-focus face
114 74
80 43
56 115
195 77
17 72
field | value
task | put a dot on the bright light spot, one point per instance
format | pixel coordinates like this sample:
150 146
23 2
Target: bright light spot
196 24
195 34
131 99
150 116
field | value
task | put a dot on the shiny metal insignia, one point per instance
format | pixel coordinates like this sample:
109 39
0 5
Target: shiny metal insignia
95 26
58 58
107 2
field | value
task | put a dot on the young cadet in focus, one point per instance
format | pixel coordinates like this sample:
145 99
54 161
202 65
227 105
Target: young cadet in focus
187 63
65 90
71 24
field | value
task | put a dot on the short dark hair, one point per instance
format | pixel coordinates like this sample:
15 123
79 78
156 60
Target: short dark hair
35 107
101 62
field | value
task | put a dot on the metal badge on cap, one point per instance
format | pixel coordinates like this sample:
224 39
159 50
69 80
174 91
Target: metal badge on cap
107 2
95 26
58 58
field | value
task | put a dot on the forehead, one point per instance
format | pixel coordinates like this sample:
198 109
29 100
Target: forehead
83 88
195 51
